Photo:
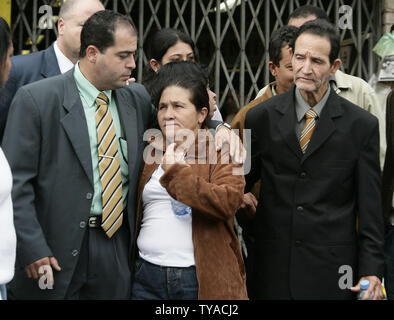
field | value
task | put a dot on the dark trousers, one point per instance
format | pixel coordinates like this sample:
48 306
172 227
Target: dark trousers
153 282
103 270
389 272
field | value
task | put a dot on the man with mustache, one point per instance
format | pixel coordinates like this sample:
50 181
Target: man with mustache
317 156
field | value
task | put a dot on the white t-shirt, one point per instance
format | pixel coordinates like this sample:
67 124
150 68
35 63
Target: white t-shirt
165 238
7 230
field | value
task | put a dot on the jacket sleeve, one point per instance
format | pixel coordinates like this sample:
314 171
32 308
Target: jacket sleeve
370 229
6 96
219 198
21 145
252 143
371 104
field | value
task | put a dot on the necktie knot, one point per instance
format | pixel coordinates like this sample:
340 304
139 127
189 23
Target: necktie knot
102 99
311 114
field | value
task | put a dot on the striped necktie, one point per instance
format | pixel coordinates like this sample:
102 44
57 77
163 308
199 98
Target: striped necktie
109 168
308 129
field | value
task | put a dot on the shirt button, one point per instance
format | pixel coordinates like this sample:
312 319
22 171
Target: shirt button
300 209
303 174
82 224
89 196
74 253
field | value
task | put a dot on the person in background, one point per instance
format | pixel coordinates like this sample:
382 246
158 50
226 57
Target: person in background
187 200
281 68
56 59
7 230
352 88
170 45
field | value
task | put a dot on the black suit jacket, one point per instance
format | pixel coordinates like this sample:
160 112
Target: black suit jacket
388 170
26 69
305 225
46 142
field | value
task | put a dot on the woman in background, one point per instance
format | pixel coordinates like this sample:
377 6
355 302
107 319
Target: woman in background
171 45
7 230
187 200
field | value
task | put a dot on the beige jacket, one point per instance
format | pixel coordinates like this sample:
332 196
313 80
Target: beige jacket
359 92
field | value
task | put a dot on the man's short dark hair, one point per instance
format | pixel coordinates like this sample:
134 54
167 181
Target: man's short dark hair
100 28
322 28
308 10
279 39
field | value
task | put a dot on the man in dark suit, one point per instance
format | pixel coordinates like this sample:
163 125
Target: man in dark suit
59 58
55 149
317 156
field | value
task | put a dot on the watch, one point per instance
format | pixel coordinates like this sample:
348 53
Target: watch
224 124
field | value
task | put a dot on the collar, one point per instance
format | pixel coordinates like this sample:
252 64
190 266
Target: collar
302 106
64 63
86 89
341 81
273 89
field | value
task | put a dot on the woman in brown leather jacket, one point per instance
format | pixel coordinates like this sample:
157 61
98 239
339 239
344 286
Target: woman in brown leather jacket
188 196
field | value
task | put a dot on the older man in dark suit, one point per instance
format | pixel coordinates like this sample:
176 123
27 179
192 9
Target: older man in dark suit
317 156
74 144
59 58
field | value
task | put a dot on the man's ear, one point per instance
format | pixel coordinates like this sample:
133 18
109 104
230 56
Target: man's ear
203 114
92 53
60 26
155 65
290 51
273 69
335 66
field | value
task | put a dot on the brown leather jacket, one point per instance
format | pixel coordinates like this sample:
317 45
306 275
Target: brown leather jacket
214 194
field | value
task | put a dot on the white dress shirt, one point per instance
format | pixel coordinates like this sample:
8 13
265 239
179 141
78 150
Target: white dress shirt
64 63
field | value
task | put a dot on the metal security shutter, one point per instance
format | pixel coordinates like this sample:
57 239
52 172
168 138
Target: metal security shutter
233 42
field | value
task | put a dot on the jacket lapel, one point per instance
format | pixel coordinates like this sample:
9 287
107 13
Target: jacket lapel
326 126
50 66
74 123
287 122
128 119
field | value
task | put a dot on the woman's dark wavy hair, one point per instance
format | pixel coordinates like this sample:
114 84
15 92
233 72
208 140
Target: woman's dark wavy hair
187 75
5 42
157 47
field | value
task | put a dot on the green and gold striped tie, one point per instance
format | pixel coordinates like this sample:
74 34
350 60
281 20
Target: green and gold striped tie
109 168
308 129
